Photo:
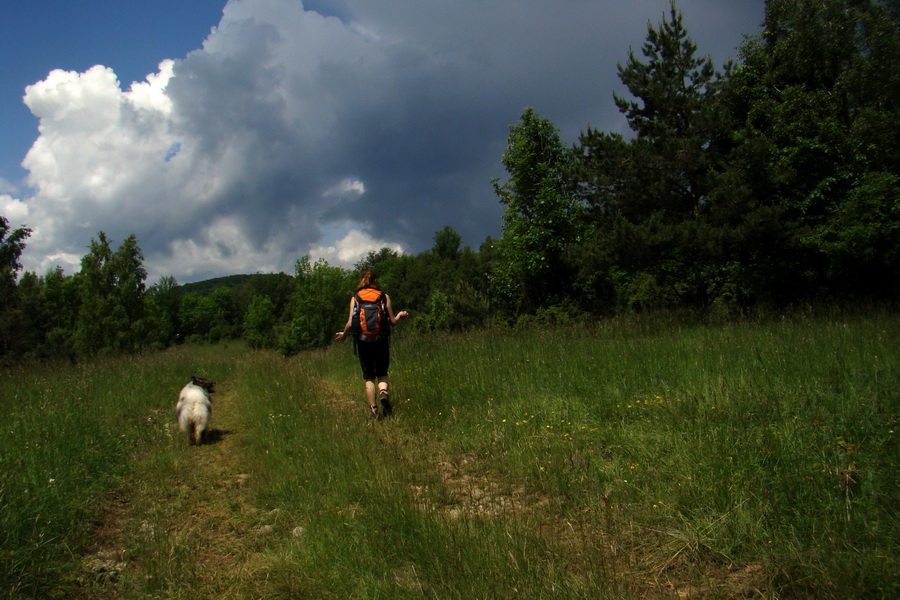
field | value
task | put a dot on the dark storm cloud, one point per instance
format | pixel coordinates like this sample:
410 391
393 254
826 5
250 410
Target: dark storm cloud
458 77
386 117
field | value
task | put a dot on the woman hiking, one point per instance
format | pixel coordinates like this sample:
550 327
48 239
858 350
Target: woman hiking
370 321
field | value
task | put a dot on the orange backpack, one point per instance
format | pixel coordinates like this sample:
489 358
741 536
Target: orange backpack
371 321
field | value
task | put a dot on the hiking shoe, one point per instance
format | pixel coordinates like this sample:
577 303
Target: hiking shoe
386 405
373 415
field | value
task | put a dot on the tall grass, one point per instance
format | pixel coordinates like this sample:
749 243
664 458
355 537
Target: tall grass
70 433
640 458
634 457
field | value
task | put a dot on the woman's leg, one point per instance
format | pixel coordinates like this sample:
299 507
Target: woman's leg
383 395
370 394
369 368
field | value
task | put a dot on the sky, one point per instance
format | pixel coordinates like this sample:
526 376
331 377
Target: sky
235 137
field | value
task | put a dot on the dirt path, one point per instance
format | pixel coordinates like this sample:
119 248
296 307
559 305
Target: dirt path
181 526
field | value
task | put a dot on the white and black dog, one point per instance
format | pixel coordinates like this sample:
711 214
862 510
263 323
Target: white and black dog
194 408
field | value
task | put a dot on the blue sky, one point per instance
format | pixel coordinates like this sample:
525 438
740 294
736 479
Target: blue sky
235 139
131 36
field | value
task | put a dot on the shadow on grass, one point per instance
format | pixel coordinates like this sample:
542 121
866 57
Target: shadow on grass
214 436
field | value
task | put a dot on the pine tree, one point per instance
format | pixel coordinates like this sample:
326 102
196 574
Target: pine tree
646 196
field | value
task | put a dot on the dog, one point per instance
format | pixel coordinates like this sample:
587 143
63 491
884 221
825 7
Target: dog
194 409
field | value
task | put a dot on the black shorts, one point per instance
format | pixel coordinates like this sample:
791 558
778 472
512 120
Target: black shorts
374 358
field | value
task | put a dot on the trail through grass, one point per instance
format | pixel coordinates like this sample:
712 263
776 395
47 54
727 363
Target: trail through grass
183 524
634 460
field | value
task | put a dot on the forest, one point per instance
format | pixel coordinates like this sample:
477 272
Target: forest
769 181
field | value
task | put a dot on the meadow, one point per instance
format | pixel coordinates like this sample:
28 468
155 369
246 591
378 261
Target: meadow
640 457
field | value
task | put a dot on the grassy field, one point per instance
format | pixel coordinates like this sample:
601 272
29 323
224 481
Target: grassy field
642 458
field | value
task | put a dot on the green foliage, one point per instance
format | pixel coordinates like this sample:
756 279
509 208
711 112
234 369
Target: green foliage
765 184
226 315
375 261
673 114
208 286
195 316
446 278
648 198
210 318
771 182
259 323
110 292
447 243
277 287
539 218
12 243
862 236
58 303
818 90
161 309
455 308
437 316
319 306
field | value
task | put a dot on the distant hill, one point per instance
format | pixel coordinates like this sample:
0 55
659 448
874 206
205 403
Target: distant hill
208 286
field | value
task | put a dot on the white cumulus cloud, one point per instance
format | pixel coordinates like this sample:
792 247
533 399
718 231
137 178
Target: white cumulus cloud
385 120
351 248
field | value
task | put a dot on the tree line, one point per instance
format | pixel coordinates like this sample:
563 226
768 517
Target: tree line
769 181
